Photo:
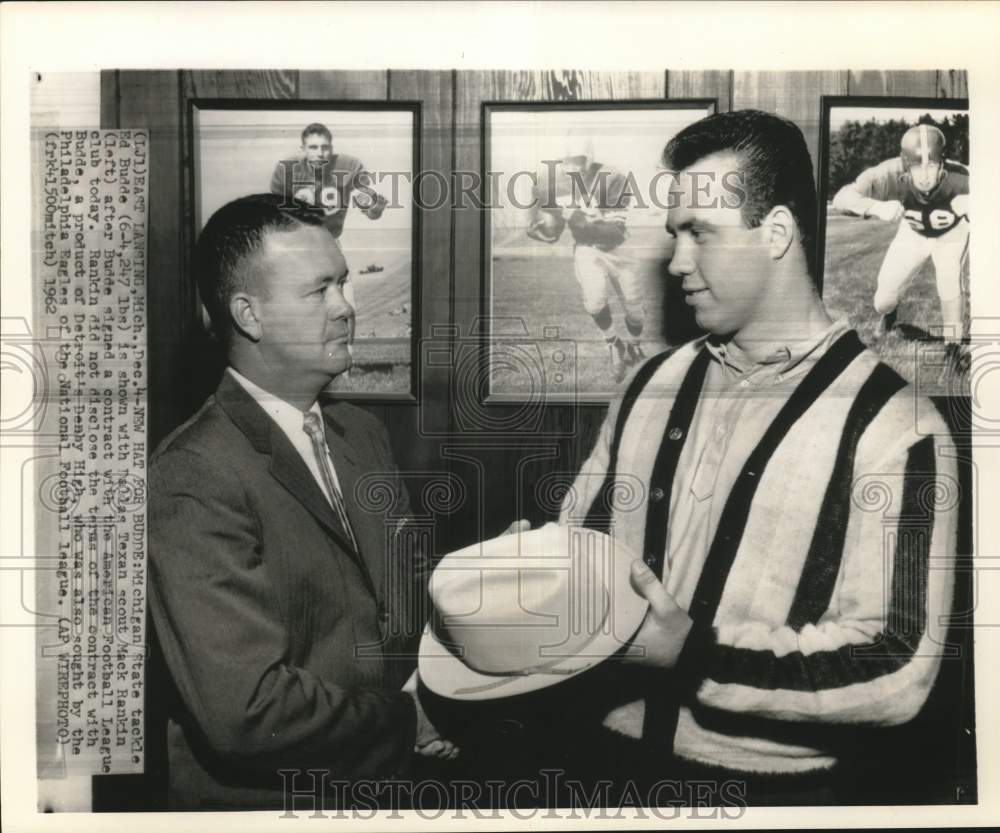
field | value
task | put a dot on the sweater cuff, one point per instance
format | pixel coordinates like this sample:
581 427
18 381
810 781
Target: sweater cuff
693 660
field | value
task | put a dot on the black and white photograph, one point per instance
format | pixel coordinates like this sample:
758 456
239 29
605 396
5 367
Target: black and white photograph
577 200
896 186
355 167
456 432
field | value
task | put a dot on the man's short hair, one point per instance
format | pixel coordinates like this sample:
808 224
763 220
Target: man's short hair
317 129
775 165
233 235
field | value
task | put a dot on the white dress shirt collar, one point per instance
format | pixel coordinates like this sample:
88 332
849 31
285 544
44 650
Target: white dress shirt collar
291 421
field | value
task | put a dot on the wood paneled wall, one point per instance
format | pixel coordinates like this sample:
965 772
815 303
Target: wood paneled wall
499 473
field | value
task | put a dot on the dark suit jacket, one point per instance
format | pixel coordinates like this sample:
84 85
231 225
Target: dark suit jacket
275 631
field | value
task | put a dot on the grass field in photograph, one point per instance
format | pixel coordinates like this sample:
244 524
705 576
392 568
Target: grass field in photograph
854 252
537 301
381 272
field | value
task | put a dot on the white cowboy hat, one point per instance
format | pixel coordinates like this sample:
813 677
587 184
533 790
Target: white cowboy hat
527 610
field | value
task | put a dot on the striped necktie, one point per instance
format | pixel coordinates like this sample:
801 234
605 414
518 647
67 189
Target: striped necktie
313 426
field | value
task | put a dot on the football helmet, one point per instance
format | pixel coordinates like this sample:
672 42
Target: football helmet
922 151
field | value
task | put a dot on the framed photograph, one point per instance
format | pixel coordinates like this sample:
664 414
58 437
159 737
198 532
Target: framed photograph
354 162
574 243
894 230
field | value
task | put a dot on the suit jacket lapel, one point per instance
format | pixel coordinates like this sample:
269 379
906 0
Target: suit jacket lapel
368 527
287 466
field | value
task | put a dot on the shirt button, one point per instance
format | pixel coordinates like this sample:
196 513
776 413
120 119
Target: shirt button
657 494
720 430
675 433
745 383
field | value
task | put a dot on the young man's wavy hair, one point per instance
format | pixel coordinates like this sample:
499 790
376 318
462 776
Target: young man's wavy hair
774 165
223 256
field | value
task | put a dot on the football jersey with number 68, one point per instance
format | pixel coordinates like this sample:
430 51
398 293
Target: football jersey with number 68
930 215
328 186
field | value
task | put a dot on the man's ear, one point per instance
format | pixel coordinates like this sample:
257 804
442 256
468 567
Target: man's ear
782 230
244 309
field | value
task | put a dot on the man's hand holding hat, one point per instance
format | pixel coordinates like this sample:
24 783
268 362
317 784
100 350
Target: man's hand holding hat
527 610
661 636
428 742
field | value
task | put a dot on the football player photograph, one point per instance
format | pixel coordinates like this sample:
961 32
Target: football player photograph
927 195
592 200
328 181
796 528
280 601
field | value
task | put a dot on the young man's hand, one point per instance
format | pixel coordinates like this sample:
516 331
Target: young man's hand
663 632
888 210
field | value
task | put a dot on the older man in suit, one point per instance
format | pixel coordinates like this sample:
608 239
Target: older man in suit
277 596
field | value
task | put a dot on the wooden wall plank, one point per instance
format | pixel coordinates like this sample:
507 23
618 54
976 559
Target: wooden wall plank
109 98
704 84
575 85
471 89
243 83
623 85
893 82
795 95
344 84
953 83
434 92
416 431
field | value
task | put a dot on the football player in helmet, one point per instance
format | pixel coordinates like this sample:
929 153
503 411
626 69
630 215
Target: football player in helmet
591 199
929 194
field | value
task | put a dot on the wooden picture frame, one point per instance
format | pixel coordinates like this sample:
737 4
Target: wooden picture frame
540 322
853 254
259 135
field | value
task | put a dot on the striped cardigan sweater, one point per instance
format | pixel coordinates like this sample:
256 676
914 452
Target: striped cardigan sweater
822 598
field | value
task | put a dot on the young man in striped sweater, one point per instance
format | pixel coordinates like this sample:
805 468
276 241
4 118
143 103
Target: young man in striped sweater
799 524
